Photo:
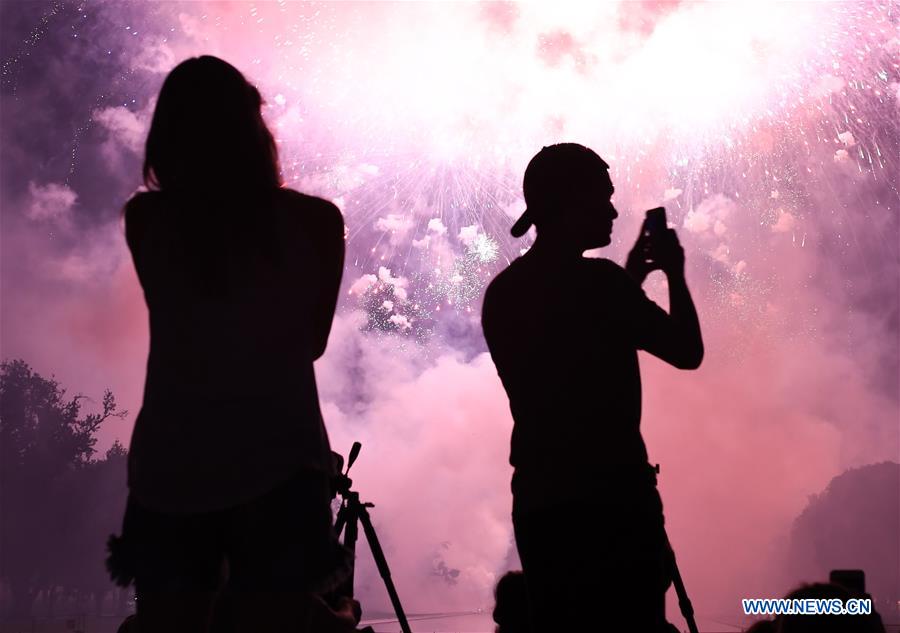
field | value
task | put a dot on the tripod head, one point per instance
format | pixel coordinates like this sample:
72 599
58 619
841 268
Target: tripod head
340 481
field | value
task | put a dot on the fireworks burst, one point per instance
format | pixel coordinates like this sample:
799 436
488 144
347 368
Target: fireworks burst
418 120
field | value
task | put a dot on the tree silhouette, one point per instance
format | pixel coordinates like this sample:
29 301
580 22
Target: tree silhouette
56 500
854 524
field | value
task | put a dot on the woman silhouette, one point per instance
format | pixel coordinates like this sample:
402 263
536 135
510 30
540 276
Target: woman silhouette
229 463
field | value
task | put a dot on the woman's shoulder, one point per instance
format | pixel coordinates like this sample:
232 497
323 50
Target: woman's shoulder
294 200
142 206
143 200
140 214
301 210
310 210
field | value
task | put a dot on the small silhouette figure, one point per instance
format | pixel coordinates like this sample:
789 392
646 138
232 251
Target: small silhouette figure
762 626
129 625
511 612
827 623
563 331
229 457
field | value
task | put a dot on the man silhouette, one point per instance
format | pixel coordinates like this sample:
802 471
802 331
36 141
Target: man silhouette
563 331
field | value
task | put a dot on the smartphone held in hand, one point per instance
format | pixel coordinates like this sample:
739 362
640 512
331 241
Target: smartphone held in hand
655 222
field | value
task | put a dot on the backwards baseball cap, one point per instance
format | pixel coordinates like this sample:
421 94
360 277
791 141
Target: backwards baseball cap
550 179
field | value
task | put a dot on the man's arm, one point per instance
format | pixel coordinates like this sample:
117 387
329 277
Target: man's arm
673 337
689 350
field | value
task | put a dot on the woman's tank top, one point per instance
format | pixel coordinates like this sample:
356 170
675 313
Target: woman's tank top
230 404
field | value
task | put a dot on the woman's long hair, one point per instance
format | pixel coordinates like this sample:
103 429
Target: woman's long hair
208 136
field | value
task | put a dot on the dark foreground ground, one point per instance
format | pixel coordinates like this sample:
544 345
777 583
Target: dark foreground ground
421 623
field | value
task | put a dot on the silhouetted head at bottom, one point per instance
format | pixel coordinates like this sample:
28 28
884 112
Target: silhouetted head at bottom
511 611
827 623
568 194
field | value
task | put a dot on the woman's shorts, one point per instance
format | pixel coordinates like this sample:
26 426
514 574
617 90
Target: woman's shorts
281 541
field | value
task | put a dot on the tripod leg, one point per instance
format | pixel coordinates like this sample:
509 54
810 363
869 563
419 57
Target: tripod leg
383 569
340 521
684 602
347 522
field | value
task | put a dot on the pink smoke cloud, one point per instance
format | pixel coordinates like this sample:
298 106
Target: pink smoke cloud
52 203
434 461
126 127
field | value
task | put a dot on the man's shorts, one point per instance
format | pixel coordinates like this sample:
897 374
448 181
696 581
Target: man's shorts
605 553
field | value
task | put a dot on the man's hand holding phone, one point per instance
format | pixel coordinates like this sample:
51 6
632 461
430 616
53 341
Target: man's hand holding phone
657 248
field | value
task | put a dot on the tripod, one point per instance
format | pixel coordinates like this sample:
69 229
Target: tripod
684 603
352 513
